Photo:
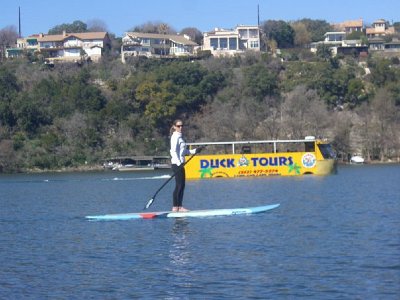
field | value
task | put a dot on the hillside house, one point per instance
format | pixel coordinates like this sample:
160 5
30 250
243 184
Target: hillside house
338 43
156 45
73 46
350 26
380 28
393 46
331 39
376 44
229 42
23 45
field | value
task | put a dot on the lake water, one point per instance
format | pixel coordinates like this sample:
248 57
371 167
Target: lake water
333 237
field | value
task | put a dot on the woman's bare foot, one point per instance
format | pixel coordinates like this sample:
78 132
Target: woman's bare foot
182 209
175 208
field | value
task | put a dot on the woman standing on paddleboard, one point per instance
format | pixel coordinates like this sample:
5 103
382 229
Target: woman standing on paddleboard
178 151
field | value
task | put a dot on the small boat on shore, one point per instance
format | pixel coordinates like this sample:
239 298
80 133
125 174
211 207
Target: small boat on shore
137 163
357 159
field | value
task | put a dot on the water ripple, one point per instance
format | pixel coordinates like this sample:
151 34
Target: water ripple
334 237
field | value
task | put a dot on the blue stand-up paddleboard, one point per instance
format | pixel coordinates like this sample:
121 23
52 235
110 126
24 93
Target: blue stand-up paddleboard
188 214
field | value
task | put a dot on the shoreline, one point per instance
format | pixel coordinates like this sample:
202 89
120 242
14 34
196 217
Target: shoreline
99 168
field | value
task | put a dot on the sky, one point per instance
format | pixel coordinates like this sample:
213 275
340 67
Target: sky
122 15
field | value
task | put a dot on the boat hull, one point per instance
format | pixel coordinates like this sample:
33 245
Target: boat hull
257 165
262 158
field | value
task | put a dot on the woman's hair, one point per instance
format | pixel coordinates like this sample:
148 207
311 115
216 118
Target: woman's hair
171 131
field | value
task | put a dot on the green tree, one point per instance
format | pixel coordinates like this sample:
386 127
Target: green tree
48 92
182 73
160 100
74 27
211 83
324 52
9 89
173 89
382 73
30 114
316 28
260 82
355 92
331 84
84 96
280 31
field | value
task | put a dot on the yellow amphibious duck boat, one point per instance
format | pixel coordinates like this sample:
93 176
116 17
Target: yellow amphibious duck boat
262 158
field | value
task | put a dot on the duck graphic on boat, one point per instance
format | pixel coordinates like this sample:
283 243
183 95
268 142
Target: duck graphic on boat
243 162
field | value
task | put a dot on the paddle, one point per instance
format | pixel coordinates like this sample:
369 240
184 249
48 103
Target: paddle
150 202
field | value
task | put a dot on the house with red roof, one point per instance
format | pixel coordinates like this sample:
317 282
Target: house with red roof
380 28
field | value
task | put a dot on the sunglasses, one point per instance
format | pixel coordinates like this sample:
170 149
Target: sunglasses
179 126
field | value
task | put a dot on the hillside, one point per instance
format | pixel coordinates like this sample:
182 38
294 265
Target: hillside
69 115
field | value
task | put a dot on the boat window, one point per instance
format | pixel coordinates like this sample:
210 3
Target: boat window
309 147
246 149
216 149
263 148
327 151
290 147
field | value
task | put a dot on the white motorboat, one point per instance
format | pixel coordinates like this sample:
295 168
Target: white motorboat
357 159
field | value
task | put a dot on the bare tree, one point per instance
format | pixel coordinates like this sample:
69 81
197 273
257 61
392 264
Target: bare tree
304 113
302 36
215 122
363 129
341 136
73 128
7 155
270 127
239 118
194 34
385 116
97 25
8 38
154 27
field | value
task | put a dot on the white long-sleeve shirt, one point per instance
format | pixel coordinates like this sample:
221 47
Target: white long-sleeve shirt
178 149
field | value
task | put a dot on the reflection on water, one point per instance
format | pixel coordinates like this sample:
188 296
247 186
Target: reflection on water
180 257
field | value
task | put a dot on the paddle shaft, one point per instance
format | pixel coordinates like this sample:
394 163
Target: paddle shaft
150 202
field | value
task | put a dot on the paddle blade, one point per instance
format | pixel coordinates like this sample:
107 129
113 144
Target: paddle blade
150 202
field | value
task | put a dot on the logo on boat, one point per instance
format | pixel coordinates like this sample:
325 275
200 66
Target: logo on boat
210 164
309 160
243 162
